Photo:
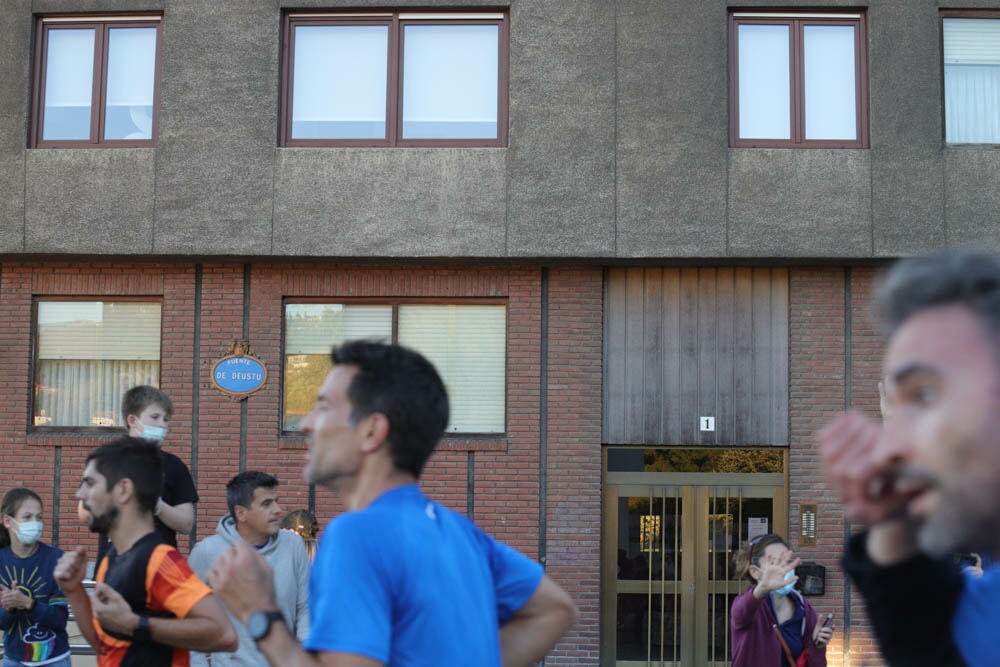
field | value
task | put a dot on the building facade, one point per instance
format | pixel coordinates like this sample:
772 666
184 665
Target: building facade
640 236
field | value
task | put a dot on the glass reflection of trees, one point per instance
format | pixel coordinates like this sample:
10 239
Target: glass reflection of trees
713 460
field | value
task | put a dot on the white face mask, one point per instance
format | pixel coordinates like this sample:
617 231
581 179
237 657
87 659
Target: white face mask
152 433
28 532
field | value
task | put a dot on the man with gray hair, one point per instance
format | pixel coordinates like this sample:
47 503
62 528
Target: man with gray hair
926 481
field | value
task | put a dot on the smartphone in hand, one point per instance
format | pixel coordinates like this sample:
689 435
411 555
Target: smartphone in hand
827 622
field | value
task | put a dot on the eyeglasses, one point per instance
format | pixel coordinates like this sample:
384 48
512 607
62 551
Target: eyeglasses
753 542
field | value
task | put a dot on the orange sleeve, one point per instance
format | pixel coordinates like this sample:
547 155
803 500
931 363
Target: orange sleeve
171 585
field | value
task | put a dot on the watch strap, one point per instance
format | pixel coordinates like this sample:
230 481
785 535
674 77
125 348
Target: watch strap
141 631
261 622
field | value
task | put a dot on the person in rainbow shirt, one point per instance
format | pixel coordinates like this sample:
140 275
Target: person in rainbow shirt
33 610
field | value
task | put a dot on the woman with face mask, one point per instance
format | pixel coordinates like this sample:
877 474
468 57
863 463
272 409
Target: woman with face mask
772 624
33 611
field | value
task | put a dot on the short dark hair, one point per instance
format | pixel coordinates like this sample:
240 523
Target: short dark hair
134 459
139 398
402 385
951 277
10 505
239 490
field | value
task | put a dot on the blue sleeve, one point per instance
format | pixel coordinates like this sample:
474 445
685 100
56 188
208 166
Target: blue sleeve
350 592
52 616
515 578
6 619
974 622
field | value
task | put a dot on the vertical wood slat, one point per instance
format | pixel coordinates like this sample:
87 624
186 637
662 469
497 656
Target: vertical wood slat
725 413
762 398
779 355
614 357
742 357
670 406
707 376
652 422
685 343
687 389
635 362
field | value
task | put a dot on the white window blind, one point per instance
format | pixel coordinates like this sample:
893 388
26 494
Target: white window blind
467 345
316 328
98 330
972 41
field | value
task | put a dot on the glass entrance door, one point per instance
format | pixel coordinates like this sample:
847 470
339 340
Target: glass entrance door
668 548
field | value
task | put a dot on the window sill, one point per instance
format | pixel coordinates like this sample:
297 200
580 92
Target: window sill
972 147
72 439
450 443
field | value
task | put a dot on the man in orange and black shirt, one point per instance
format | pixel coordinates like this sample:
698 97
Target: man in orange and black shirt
148 608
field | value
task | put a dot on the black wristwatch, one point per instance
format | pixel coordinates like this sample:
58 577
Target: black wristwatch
141 631
260 622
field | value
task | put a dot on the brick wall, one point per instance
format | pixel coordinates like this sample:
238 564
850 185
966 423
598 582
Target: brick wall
831 342
499 477
575 361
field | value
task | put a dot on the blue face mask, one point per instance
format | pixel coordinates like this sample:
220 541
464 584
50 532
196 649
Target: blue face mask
152 433
28 531
787 588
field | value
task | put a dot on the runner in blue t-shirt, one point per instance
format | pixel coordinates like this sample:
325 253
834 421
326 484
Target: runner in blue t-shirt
398 580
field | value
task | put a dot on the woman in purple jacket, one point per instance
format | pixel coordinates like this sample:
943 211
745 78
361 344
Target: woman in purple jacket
772 624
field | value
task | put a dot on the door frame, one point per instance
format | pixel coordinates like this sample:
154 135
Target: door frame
694 586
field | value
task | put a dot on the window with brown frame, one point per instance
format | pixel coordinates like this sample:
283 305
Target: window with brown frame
394 78
971 52
87 355
466 342
798 80
96 81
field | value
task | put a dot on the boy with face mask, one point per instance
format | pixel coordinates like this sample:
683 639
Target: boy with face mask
33 610
147 412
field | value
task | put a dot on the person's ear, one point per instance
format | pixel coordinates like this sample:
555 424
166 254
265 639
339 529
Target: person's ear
754 571
124 490
240 513
376 430
131 423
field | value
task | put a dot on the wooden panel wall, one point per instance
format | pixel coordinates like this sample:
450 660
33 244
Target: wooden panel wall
685 343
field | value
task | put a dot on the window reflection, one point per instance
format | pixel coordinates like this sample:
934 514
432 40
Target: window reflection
623 459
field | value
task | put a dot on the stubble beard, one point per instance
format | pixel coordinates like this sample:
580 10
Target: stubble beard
957 526
102 523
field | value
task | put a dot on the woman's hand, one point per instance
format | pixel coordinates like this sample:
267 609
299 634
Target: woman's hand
773 570
822 635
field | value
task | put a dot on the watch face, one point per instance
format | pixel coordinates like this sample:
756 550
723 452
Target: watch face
259 623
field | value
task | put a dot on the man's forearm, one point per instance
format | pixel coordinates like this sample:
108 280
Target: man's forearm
179 518
537 626
79 602
282 649
195 634
524 642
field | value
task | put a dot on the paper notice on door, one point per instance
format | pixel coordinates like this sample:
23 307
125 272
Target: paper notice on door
756 527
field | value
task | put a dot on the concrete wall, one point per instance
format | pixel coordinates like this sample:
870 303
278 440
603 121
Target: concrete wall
618 149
